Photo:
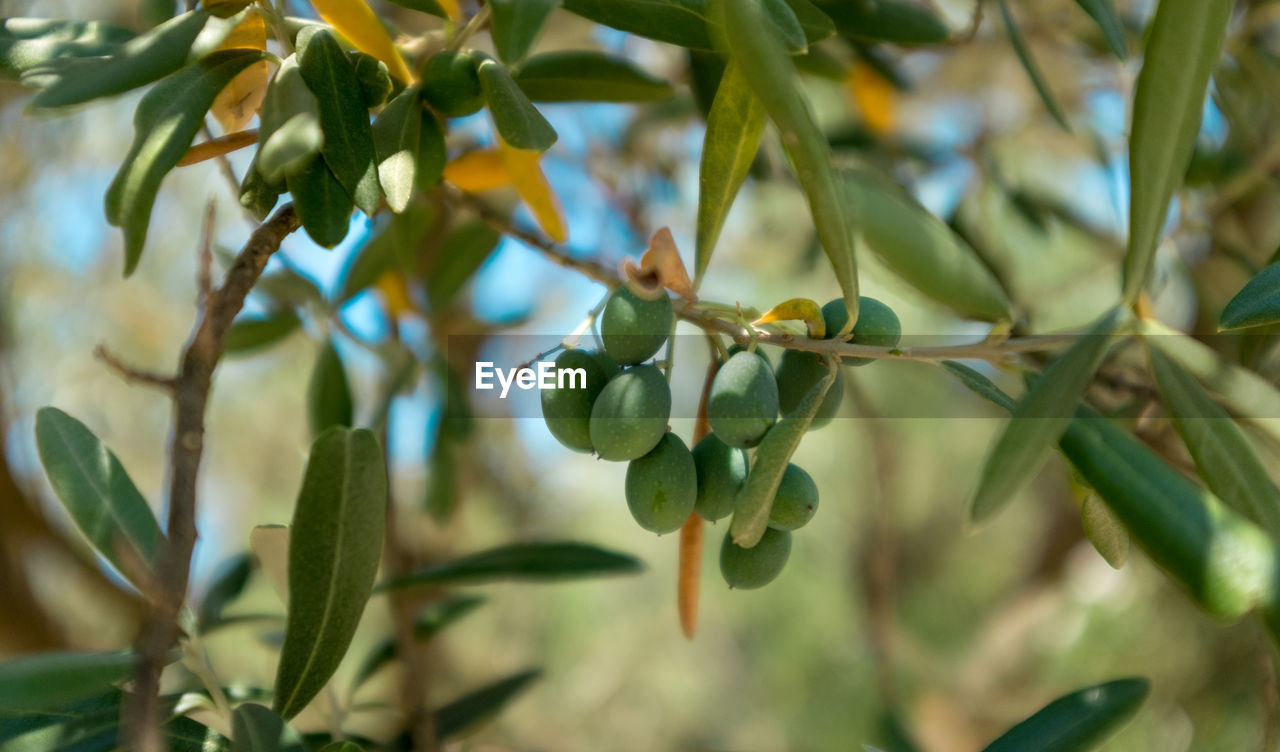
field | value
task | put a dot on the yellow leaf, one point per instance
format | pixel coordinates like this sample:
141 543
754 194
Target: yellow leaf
236 105
873 95
395 291
797 309
355 20
451 9
525 170
478 171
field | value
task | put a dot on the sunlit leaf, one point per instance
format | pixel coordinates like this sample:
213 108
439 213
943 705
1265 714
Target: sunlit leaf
518 121
523 562
289 133
237 104
356 21
525 169
397 136
479 170
1077 722
26 43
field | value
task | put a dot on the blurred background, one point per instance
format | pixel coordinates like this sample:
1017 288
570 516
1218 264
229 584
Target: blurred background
890 619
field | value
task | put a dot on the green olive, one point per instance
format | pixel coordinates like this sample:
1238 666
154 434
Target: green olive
632 328
630 415
662 486
722 470
568 411
797 372
749 568
450 84
743 402
877 325
796 500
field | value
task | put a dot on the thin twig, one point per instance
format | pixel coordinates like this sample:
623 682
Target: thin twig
204 263
141 714
131 374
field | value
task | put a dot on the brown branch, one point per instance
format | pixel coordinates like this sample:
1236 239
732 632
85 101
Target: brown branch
141 715
131 374
218 147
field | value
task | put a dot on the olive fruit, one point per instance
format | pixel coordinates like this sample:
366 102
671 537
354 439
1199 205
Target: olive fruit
877 325
450 84
735 349
633 329
375 80
748 568
567 411
606 363
630 415
798 371
662 486
743 402
722 470
795 501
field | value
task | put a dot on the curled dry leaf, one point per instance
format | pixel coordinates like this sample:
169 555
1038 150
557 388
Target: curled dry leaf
797 309
660 269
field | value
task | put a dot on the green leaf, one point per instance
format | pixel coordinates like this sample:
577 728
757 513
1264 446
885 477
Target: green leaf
254 728
1039 420
583 76
460 256
979 384
785 24
897 21
257 196
43 681
348 138
757 52
1182 49
290 133
480 705
27 43
729 147
1077 722
323 205
397 137
921 249
518 121
247 335
187 735
334 550
139 61
328 393
1031 67
426 6
229 582
165 124
374 77
815 25
431 153
98 494
522 562
516 24
435 618
1257 303
397 241
1104 531
1218 446
68 721
1103 12
688 23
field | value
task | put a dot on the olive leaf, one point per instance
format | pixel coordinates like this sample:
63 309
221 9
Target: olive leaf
257 195
585 76
692 24
165 123
43 681
814 24
229 582
357 22
516 24
1032 68
729 147
98 494
250 334
462 253
328 392
254 728
428 624
334 552
753 46
396 241
1182 49
518 121
1103 12
94 716
397 137
27 43
1077 722
289 134
522 562
1257 303
431 153
483 703
1104 531
323 205
898 21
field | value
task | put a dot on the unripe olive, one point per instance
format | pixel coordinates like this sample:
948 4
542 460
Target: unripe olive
567 411
735 349
375 80
743 402
877 325
796 500
662 486
722 470
748 568
633 329
630 415
606 362
450 84
798 371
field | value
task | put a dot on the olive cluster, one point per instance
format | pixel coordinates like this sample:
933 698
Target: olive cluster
623 411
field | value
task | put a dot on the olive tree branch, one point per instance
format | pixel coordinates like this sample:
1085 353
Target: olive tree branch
141 715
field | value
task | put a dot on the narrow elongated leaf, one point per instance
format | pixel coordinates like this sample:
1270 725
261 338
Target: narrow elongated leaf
688 23
435 618
786 26
97 492
518 121
91 714
238 103
328 392
250 334
1182 49
1077 722
463 252
898 21
1103 12
431 153
335 547
1038 421
1218 446
323 205
754 501
426 6
1032 68
26 43
270 544
1257 303
398 240
516 24
290 134
756 51
1104 531
165 124
43 681
188 735
480 705
586 76
356 21
229 582
523 562
729 147
254 728
815 25
525 170
139 61
348 138
397 137
921 249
